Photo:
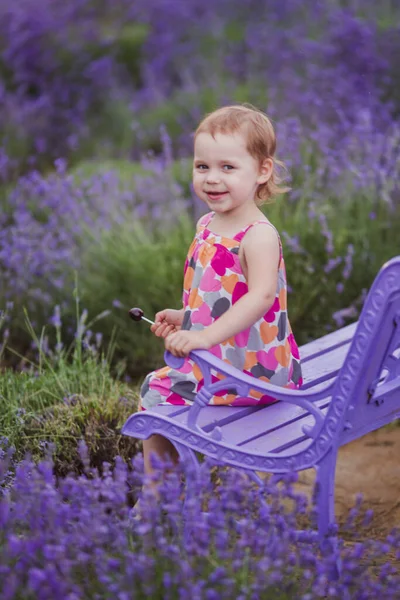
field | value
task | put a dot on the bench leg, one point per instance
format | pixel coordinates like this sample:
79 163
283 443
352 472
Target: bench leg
253 476
192 468
192 474
325 492
325 500
188 458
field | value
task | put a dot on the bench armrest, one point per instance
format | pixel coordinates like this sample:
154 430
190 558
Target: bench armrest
243 383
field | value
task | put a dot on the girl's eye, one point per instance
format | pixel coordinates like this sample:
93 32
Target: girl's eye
228 167
201 167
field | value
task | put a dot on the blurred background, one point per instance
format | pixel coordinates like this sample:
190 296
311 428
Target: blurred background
99 100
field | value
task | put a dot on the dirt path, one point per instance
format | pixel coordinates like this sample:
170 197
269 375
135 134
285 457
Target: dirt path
371 466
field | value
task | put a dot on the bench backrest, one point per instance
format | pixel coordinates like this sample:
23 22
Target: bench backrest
367 390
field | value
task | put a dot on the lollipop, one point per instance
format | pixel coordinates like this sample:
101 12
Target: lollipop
137 315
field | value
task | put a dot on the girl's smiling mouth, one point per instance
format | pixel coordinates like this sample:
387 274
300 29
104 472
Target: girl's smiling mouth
216 195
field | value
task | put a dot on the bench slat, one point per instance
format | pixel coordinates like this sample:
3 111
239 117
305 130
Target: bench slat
325 366
240 430
327 342
210 416
285 437
299 446
271 422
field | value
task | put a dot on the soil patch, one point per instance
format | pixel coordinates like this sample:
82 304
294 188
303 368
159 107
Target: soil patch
370 466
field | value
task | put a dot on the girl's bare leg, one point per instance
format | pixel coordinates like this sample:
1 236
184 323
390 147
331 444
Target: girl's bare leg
164 449
159 445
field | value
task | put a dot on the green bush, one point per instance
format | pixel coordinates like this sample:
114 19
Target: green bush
67 395
129 45
359 232
131 265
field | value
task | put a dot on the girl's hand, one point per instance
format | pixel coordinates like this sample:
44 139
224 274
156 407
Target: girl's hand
183 342
167 321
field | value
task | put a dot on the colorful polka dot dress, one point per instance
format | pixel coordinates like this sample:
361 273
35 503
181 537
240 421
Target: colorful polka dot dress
213 282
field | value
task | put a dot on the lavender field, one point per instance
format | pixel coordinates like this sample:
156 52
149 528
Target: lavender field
98 103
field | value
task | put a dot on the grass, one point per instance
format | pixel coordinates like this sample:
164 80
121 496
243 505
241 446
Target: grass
67 395
138 267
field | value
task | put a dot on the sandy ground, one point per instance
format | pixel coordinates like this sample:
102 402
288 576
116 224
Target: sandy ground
370 466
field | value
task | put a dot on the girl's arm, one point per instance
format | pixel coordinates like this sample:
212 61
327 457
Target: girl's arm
262 254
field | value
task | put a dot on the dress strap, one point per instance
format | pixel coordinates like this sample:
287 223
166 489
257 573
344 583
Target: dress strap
239 236
205 219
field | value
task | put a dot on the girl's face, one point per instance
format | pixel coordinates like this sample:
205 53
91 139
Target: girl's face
225 175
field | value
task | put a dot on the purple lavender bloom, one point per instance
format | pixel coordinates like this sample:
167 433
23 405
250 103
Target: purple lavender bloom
117 304
75 537
56 318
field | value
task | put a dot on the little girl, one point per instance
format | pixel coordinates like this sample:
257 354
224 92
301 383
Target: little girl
234 291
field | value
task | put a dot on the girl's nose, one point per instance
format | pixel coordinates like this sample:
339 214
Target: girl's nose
212 177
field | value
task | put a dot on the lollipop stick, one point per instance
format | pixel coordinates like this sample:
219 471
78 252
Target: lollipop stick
147 320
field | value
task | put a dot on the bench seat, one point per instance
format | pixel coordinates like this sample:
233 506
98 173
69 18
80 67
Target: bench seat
274 428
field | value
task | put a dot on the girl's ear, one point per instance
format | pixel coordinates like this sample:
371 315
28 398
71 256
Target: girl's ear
266 168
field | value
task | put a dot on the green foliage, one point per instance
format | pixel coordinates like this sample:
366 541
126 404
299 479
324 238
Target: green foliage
153 118
136 266
124 43
126 170
113 131
252 93
129 48
177 115
235 32
68 395
35 413
315 293
111 135
17 145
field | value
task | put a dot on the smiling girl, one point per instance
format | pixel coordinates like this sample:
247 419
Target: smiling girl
235 290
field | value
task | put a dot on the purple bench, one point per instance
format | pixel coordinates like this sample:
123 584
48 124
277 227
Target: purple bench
351 387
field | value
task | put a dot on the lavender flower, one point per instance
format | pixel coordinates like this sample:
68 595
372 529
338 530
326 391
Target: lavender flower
74 537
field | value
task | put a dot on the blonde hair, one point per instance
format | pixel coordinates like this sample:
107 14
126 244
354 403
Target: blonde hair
261 140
